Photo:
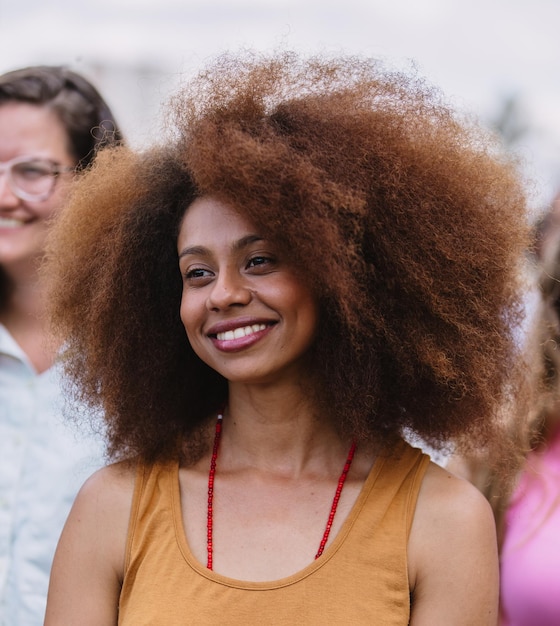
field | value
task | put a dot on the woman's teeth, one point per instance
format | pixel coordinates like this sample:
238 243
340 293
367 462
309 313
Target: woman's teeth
10 222
243 331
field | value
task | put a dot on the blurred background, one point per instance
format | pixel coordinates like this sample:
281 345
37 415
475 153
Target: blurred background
499 59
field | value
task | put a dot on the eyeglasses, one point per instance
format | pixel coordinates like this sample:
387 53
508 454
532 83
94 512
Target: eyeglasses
32 179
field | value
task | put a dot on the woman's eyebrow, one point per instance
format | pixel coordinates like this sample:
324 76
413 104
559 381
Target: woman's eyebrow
246 241
197 250
238 245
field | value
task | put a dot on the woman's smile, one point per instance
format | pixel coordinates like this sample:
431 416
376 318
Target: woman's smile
238 336
243 331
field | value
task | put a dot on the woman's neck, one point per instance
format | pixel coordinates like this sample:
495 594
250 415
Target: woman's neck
278 429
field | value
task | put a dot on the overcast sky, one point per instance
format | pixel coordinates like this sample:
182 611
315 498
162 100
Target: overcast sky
479 52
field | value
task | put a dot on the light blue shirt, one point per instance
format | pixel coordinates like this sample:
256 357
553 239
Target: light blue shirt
44 459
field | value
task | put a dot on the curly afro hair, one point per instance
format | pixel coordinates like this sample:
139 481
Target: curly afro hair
402 217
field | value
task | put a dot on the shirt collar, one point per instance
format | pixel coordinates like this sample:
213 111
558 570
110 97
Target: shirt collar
11 349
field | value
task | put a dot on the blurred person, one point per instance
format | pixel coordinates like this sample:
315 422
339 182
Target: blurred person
530 519
323 258
528 512
547 228
52 123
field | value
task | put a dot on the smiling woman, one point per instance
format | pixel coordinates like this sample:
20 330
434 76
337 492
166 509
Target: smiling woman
33 155
324 258
52 122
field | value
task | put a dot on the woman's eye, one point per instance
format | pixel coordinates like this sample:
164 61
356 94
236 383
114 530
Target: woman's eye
32 171
258 261
197 273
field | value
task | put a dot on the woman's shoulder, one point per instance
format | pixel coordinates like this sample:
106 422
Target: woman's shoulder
88 567
105 500
450 497
112 481
452 516
452 544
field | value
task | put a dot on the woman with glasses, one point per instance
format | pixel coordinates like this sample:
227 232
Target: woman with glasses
52 123
321 260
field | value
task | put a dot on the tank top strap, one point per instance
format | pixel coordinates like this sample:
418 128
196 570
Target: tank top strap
153 491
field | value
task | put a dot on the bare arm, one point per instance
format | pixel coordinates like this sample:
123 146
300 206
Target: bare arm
88 566
453 555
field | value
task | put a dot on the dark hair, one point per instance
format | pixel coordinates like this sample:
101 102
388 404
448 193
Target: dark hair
403 219
85 115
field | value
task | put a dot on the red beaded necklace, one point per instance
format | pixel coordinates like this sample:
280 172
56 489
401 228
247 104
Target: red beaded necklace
212 473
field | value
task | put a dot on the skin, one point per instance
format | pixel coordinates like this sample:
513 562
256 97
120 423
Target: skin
279 463
28 130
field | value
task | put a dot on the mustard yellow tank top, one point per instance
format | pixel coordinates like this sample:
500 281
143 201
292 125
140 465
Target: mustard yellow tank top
361 578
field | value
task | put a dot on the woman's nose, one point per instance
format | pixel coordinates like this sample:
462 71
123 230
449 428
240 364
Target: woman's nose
229 289
7 196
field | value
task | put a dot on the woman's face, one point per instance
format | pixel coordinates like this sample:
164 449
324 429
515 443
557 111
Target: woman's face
28 130
246 313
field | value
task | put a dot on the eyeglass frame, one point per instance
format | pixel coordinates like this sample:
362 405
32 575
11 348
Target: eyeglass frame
57 169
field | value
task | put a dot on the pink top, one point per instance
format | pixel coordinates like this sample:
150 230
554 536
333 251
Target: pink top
530 568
